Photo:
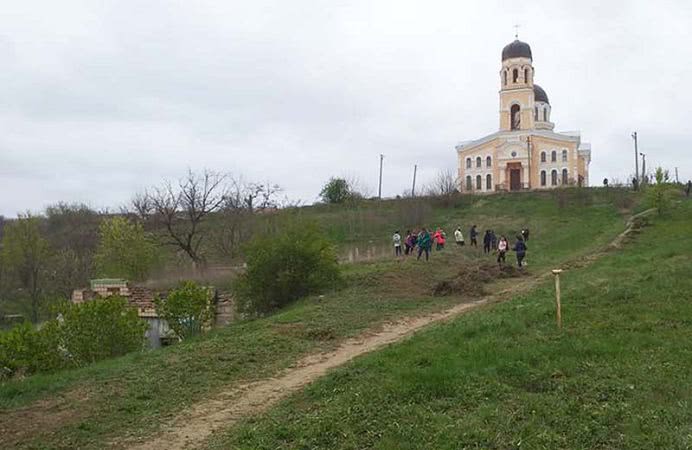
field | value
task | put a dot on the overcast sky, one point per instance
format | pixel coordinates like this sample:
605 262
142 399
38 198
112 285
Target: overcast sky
99 99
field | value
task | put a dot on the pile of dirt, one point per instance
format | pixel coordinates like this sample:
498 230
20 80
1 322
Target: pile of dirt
471 280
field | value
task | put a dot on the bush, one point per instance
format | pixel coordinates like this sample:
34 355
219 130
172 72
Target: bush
284 267
100 329
186 309
659 195
83 334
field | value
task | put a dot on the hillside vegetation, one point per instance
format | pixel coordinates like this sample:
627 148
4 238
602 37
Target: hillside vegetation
128 398
618 375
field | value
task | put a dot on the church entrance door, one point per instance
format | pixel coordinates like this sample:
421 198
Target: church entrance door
515 179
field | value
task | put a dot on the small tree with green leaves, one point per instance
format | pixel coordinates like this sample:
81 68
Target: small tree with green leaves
296 262
336 191
124 250
187 309
26 254
659 194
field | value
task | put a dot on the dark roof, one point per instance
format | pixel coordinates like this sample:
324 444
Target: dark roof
539 94
516 49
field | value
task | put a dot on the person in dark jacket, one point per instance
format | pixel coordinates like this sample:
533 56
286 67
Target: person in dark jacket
487 241
424 244
473 234
520 248
493 240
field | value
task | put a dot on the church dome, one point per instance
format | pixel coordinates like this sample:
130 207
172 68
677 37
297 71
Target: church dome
516 49
539 94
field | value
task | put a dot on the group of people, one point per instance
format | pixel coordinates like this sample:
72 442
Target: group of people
423 241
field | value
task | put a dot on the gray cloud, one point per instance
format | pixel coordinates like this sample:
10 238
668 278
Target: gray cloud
101 99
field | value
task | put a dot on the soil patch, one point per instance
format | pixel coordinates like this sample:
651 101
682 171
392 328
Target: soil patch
20 426
471 280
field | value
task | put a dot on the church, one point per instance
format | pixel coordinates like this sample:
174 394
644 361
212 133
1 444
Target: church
526 153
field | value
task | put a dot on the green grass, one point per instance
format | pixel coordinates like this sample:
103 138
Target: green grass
618 375
132 396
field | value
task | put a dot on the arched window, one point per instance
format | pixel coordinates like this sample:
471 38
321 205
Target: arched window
468 163
564 156
505 75
526 75
553 156
543 178
565 175
545 114
469 183
535 113
515 75
489 182
542 156
479 182
515 117
488 161
479 162
553 177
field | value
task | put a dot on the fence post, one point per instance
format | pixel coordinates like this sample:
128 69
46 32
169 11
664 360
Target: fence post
557 273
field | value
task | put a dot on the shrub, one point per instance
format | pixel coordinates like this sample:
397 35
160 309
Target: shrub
26 348
186 309
99 329
84 333
281 268
659 195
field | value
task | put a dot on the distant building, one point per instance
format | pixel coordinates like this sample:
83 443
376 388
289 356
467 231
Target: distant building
525 153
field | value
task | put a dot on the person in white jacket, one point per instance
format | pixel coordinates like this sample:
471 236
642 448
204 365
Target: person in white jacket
459 237
396 239
502 247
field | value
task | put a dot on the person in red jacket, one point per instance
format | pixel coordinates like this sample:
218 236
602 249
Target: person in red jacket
440 239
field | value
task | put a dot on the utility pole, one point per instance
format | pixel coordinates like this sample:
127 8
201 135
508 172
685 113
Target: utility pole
643 168
379 190
413 188
636 160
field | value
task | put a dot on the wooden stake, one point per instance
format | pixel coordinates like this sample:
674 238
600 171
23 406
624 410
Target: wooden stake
557 272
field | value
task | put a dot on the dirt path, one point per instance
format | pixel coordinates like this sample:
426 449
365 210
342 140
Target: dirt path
194 427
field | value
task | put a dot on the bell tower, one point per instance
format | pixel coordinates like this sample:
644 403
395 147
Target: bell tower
516 87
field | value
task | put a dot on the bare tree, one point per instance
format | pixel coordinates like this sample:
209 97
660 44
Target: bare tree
445 184
182 209
243 200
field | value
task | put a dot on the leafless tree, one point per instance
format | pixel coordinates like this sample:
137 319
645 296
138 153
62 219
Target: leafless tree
182 209
243 201
445 184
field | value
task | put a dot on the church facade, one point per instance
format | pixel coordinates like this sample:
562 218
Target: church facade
526 152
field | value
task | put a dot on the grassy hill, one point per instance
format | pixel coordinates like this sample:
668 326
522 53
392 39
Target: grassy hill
618 375
129 398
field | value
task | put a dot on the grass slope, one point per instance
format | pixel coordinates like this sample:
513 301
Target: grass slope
132 396
619 375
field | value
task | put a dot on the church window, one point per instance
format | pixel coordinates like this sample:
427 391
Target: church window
469 183
564 156
565 176
515 75
526 75
489 182
515 117
468 163
505 75
479 183
543 178
479 162
553 177
488 162
535 113
553 156
542 156
545 114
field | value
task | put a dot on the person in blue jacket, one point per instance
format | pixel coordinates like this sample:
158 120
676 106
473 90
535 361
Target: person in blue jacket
520 248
